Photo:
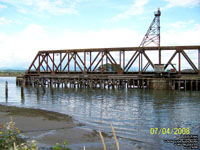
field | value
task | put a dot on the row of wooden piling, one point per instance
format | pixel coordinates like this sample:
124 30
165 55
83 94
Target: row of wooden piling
89 83
111 83
192 84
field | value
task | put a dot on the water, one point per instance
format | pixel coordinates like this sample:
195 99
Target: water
133 112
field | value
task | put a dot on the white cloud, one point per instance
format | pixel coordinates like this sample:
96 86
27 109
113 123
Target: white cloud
3 6
5 21
136 8
180 24
18 50
51 6
183 3
189 36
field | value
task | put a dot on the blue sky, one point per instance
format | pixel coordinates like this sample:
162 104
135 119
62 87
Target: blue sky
27 26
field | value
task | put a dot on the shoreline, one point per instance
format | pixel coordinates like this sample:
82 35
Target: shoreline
49 128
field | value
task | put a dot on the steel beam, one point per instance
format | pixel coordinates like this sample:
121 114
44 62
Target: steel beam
148 59
199 60
139 63
146 66
102 54
52 60
90 60
74 61
43 59
90 67
179 62
99 61
112 58
84 61
46 62
152 48
120 61
109 59
124 60
61 61
39 64
74 57
68 63
189 61
133 61
29 69
127 65
170 59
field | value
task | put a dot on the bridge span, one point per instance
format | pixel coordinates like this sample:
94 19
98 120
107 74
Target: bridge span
96 60
124 67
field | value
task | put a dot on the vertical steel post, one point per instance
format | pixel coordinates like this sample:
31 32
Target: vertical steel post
139 63
47 62
199 61
179 62
68 62
102 62
90 61
75 62
53 62
106 62
120 58
60 61
39 65
84 61
123 60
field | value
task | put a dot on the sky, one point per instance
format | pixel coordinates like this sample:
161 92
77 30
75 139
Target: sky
27 26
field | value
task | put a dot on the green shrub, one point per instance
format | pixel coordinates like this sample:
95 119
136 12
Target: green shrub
11 138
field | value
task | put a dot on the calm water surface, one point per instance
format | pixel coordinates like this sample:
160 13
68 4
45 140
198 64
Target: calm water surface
133 112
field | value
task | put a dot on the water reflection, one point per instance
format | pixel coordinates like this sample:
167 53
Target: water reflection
132 112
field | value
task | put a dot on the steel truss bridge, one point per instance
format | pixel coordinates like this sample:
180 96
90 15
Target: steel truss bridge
88 61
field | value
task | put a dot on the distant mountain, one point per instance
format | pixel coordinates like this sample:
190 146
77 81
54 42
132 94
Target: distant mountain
187 70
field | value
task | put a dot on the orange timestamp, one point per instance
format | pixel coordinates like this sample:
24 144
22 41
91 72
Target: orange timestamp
170 131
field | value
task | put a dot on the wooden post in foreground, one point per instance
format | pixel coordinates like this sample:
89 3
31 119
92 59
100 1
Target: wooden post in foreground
6 90
22 92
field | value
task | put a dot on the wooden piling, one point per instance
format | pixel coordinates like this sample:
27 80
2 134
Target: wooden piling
185 85
179 85
197 85
22 92
6 90
138 84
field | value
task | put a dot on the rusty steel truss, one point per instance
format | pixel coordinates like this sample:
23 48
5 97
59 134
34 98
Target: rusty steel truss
88 61
96 60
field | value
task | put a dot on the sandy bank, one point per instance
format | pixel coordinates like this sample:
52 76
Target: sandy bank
48 128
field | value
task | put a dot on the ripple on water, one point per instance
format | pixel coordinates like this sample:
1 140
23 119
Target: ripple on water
133 112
